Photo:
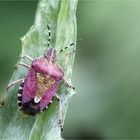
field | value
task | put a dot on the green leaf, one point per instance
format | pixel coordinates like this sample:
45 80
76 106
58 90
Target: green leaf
14 125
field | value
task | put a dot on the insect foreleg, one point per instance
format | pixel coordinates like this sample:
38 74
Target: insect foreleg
27 57
60 122
14 83
22 64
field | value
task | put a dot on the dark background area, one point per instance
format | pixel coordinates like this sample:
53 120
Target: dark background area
106 73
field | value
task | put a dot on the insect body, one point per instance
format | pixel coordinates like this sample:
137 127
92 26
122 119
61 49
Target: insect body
39 87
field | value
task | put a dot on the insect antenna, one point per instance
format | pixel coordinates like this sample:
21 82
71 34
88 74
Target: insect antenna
49 38
49 35
69 46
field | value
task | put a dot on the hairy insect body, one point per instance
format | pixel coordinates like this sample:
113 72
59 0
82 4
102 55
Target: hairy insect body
40 85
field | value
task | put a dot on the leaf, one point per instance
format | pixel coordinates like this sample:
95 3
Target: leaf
14 125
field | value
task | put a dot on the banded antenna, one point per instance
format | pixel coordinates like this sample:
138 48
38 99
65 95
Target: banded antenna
49 35
69 46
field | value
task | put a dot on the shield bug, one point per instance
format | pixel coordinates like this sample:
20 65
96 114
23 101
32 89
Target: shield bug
38 89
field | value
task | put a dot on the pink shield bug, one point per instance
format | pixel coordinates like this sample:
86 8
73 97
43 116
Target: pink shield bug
39 87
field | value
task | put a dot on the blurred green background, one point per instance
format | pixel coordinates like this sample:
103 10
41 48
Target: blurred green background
107 65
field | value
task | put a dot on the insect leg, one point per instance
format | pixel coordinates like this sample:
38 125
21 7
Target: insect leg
14 83
27 56
68 84
49 35
59 113
24 65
